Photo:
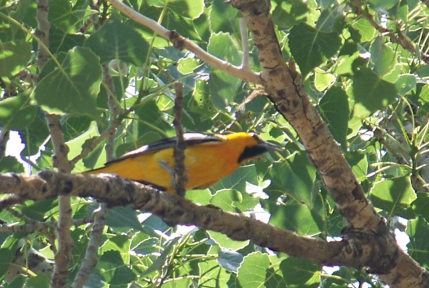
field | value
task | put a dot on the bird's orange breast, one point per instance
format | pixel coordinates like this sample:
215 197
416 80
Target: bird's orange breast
205 165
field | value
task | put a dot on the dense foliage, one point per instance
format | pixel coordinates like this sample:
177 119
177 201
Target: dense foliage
363 66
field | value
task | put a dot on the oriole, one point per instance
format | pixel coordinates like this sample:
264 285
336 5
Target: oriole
208 158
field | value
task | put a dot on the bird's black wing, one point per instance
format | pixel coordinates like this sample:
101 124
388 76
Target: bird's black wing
191 139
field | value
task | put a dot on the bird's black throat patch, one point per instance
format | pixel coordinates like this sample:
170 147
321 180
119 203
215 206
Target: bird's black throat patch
251 152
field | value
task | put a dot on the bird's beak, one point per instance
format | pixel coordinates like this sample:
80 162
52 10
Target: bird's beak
272 146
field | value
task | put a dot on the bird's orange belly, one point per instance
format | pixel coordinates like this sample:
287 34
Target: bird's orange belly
204 167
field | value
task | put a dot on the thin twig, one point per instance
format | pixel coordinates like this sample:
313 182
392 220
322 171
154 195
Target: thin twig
398 38
180 178
42 32
243 34
95 237
182 43
93 18
113 111
97 141
4 138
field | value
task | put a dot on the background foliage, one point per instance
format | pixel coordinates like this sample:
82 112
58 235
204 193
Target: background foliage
372 92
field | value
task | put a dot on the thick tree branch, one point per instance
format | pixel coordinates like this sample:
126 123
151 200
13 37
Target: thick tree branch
358 249
181 43
65 242
60 160
285 89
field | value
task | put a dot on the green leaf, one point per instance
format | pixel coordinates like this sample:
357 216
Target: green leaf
294 177
300 272
359 163
7 254
114 271
229 260
147 246
116 40
201 197
93 158
34 136
383 4
231 200
184 26
75 145
123 216
40 281
160 261
37 210
237 180
188 8
10 164
288 13
187 65
212 275
383 57
201 102
370 92
17 282
223 241
16 113
418 247
334 107
295 217
73 87
63 42
14 57
421 205
327 19
223 18
61 16
73 127
365 29
424 93
151 119
322 79
274 278
311 47
222 85
344 64
405 84
253 270
393 195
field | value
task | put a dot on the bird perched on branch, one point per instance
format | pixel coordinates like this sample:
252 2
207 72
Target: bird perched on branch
208 158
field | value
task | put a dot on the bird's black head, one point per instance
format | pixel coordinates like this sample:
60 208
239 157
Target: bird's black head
259 147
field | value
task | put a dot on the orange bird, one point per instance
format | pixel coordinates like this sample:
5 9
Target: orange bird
208 158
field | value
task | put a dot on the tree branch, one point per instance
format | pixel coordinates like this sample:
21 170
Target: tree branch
60 161
397 37
95 238
243 34
180 178
356 251
286 91
181 43
4 138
